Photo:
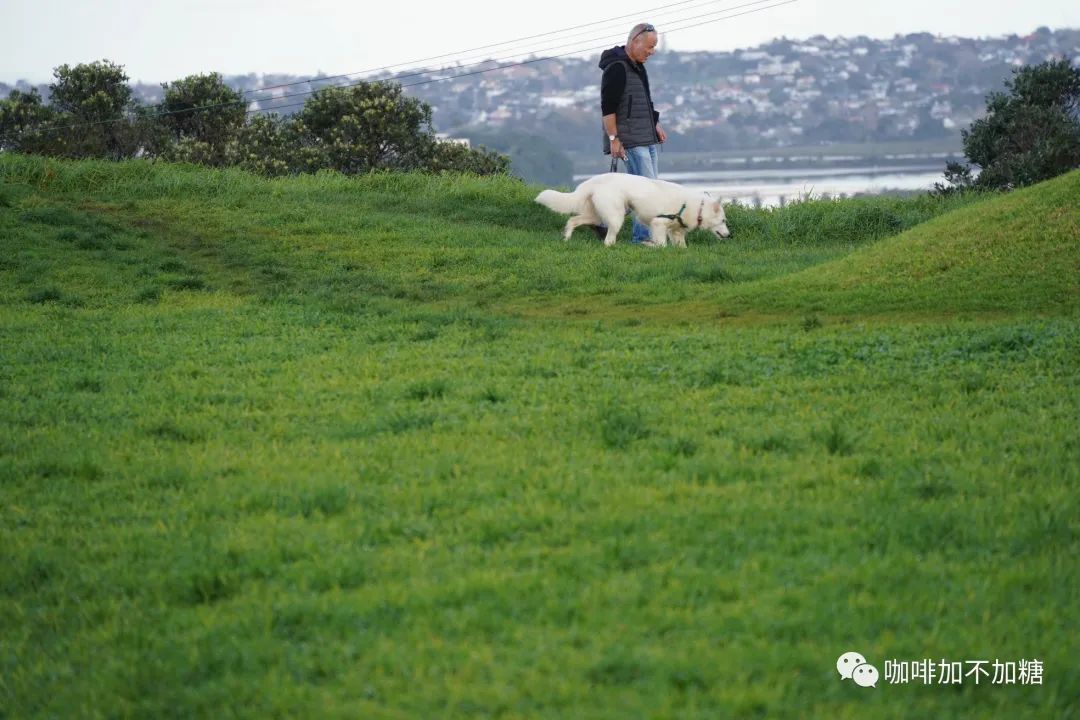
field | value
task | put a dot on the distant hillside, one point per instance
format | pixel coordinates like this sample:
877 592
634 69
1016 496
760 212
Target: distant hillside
916 87
821 90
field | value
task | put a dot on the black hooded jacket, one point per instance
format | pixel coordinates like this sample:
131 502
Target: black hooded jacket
624 92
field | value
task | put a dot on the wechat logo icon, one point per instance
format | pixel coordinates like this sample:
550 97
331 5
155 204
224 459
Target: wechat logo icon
853 666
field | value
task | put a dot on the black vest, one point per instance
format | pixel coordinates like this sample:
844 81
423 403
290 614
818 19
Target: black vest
634 118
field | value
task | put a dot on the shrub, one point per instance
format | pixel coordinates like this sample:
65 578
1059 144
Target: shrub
1030 133
199 116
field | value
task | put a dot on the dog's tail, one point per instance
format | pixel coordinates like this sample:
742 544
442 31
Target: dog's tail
560 202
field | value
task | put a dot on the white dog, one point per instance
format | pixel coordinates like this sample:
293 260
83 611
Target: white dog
668 209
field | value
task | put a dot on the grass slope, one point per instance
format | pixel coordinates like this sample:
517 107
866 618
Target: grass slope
1018 252
385 447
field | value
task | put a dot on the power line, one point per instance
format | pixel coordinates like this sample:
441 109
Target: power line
516 53
524 62
651 11
531 48
689 3
449 77
532 60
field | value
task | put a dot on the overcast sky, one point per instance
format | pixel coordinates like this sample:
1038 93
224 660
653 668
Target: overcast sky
159 42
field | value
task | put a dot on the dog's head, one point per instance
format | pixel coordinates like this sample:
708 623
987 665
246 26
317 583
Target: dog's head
713 218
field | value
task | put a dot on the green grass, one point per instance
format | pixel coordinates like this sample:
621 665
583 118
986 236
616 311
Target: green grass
385 447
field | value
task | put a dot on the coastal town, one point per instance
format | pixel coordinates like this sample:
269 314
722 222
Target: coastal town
818 101
788 92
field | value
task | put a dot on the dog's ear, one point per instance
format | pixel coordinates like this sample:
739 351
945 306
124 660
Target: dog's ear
717 206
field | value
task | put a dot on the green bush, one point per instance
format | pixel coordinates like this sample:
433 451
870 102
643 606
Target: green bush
94 106
199 117
352 130
22 115
369 126
1030 133
451 157
263 146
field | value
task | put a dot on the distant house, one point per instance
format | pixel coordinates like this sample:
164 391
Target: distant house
445 138
559 101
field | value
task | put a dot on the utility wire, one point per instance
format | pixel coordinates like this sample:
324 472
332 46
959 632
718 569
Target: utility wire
532 48
531 60
448 77
519 64
427 72
483 60
651 11
203 108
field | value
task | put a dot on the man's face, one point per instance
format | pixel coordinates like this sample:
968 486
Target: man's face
642 47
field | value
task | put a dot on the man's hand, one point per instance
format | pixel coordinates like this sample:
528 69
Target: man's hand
660 133
617 150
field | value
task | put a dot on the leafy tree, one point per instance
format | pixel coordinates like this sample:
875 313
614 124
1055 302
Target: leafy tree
266 145
200 116
1052 83
1030 133
366 127
94 106
371 126
91 92
452 157
21 116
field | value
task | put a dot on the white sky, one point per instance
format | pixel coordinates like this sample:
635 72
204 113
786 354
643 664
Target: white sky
159 42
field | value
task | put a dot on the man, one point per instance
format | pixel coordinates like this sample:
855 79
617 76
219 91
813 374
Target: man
631 126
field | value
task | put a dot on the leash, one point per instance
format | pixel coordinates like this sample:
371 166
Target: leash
678 215
614 163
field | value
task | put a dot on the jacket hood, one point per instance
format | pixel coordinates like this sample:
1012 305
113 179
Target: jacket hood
613 55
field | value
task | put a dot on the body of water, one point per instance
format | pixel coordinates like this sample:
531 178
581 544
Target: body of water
776 187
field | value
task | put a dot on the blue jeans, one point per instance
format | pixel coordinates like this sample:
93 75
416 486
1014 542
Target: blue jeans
643 160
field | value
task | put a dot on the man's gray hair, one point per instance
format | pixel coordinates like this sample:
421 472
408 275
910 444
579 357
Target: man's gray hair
639 29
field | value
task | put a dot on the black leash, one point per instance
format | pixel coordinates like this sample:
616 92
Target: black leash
677 216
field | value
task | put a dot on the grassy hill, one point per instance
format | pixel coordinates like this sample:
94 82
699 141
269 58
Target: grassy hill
1017 253
386 447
